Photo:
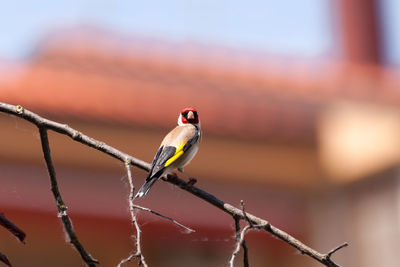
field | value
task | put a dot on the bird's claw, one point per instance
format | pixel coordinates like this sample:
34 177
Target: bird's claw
192 181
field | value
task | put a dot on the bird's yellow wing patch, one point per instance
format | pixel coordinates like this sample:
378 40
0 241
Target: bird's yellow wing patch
178 153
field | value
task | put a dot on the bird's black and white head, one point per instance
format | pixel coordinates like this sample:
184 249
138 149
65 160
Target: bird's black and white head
189 116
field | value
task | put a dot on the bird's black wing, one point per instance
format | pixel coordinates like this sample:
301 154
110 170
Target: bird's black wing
192 141
162 155
157 167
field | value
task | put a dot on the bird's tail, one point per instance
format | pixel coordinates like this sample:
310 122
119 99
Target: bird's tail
146 186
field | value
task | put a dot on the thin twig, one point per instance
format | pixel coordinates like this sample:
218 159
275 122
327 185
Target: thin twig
138 253
62 208
244 246
15 230
242 242
336 249
4 259
237 227
12 227
115 153
245 254
239 243
132 256
245 214
189 230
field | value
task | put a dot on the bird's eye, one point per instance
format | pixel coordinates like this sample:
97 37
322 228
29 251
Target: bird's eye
184 114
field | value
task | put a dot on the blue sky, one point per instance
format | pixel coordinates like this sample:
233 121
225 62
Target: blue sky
300 28
391 30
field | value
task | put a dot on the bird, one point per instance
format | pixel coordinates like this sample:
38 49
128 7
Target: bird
177 149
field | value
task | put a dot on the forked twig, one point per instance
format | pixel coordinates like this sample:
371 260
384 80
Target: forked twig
62 208
240 241
328 255
138 254
244 246
245 214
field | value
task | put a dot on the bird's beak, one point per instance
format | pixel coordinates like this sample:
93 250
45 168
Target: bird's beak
190 115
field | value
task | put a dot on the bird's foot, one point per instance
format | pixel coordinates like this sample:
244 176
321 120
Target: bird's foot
192 181
171 176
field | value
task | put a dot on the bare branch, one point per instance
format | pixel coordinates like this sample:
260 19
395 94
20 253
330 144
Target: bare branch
111 151
15 230
72 133
240 241
132 208
244 246
132 256
62 208
245 249
233 211
245 214
245 254
12 227
330 253
4 259
138 253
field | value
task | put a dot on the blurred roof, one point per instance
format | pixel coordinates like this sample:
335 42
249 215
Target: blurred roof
255 108
98 75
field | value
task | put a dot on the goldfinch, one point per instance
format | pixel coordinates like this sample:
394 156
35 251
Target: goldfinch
176 150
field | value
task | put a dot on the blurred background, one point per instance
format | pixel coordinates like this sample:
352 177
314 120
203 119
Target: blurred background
300 108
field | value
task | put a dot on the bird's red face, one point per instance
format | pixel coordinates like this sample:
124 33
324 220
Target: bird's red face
189 115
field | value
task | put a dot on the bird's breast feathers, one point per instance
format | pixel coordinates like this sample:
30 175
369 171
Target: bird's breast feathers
185 141
179 135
